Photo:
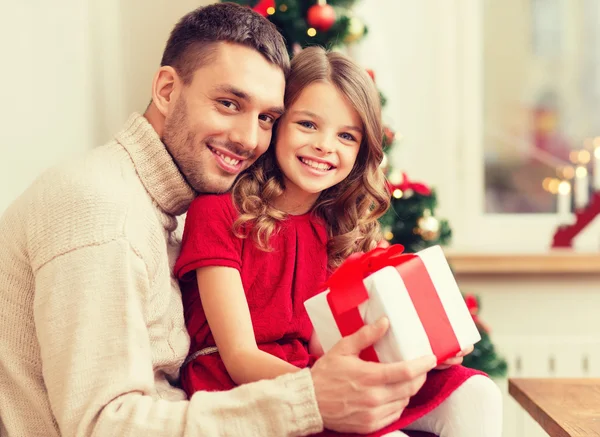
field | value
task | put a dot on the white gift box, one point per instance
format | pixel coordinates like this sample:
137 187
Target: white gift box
389 296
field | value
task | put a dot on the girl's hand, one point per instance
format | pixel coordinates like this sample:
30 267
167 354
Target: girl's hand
384 244
455 360
314 346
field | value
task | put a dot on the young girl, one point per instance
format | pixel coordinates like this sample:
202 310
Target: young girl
250 258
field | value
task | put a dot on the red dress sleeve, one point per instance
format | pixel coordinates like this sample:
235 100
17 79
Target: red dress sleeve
208 238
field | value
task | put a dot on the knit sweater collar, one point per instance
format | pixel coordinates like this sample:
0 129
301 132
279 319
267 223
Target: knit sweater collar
155 166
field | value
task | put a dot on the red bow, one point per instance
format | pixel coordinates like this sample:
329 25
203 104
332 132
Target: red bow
407 184
347 291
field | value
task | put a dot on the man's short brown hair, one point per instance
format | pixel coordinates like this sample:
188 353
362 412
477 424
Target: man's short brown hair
191 43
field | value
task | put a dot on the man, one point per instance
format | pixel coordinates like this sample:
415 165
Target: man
91 317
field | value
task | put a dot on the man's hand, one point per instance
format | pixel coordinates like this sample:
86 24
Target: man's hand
361 397
458 359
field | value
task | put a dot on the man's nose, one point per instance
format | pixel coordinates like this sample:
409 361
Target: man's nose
246 133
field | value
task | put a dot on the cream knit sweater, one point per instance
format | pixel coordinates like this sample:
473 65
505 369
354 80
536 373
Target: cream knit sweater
91 322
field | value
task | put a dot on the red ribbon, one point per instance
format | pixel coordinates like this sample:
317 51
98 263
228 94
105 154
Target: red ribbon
347 292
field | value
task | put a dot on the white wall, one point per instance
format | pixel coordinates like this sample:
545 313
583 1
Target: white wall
72 71
410 46
45 91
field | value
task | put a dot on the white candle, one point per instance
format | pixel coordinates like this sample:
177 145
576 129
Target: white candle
563 202
581 187
597 169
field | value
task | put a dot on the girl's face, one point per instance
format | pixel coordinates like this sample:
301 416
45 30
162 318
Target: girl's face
317 141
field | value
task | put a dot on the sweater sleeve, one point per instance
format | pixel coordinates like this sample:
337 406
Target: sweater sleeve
208 237
97 360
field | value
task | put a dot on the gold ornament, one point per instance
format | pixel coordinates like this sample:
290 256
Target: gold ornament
428 227
356 29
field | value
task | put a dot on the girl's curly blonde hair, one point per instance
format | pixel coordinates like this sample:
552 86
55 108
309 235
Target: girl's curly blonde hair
351 208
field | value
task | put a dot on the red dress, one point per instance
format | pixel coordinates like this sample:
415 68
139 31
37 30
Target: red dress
276 284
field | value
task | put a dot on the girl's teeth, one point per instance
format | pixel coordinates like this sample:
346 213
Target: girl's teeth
318 166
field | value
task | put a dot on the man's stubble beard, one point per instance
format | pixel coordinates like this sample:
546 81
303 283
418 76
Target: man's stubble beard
180 142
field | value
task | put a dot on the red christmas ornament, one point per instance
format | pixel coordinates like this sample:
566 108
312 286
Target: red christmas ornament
321 16
262 6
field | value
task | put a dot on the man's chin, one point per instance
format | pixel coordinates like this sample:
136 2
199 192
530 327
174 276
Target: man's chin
214 187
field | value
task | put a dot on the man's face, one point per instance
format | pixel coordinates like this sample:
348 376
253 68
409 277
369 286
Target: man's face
222 121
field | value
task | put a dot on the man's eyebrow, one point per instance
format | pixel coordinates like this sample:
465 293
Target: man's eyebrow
279 110
241 94
230 89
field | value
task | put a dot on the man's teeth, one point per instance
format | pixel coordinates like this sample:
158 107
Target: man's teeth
317 165
227 159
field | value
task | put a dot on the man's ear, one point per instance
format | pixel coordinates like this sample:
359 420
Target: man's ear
164 85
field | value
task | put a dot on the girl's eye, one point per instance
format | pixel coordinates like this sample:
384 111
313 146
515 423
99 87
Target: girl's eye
347 136
307 124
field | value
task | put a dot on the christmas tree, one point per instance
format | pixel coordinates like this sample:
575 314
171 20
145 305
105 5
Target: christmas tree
411 220
309 22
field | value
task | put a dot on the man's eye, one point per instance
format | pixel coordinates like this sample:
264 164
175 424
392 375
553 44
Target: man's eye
228 104
267 118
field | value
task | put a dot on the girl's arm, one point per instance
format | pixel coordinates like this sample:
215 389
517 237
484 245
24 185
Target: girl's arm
227 313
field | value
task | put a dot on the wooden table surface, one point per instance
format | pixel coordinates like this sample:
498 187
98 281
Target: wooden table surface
563 407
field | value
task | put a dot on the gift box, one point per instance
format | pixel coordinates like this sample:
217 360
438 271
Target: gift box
416 292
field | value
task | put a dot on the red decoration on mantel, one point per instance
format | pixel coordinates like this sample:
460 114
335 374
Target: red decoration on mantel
564 235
